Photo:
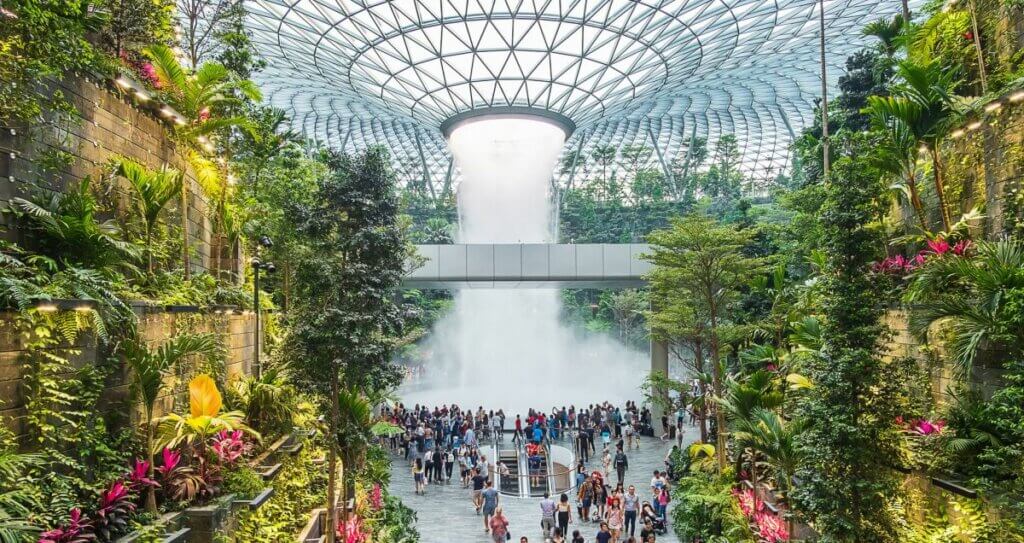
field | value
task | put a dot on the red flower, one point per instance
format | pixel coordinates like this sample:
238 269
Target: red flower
204 114
962 246
939 246
229 446
968 35
770 527
171 461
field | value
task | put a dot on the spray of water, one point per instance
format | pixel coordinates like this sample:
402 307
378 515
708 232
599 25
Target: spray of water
504 348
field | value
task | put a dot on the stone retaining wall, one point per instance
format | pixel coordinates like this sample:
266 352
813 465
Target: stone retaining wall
154 327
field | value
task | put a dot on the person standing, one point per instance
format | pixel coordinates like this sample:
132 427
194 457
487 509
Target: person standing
564 514
621 465
449 465
630 506
604 535
585 497
547 514
418 476
439 458
490 503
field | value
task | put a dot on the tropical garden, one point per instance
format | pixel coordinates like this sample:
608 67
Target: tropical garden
166 314
855 324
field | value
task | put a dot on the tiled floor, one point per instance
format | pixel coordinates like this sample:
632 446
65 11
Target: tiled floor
446 515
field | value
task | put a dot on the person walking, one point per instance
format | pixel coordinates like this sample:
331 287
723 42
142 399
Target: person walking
564 514
498 526
614 517
606 461
490 503
630 507
438 461
478 489
604 535
585 497
621 465
547 514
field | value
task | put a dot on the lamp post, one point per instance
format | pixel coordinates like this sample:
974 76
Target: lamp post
257 265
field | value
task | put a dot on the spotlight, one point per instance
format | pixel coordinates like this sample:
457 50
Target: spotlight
265 241
993 106
974 126
1017 96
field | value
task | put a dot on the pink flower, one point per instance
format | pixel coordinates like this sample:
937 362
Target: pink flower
229 446
352 531
377 497
770 527
171 461
748 503
204 114
114 494
938 246
961 247
138 478
70 532
147 71
899 420
8 13
927 428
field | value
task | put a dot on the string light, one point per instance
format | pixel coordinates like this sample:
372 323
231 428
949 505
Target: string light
993 106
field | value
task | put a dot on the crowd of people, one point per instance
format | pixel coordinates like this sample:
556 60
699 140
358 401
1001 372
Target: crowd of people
437 439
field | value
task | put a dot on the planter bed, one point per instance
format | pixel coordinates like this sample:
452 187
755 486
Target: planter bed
174 532
256 502
206 521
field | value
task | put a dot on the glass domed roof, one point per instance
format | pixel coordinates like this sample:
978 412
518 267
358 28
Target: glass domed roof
625 72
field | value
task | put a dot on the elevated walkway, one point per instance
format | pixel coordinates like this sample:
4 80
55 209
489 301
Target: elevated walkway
530 265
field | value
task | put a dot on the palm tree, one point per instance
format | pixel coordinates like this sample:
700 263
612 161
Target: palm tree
896 153
971 295
149 367
923 106
69 227
210 89
888 32
154 190
766 432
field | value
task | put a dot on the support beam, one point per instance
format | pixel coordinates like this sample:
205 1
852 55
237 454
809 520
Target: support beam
689 150
661 158
659 364
447 181
575 159
423 164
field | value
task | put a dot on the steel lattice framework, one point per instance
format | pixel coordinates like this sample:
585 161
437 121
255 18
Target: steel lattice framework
651 72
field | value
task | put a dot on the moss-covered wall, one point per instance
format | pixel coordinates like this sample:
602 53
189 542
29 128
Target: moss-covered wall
155 327
63 148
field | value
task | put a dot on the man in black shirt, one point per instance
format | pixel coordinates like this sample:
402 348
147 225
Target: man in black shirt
479 480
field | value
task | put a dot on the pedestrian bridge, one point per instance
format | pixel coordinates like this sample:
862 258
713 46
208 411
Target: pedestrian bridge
530 265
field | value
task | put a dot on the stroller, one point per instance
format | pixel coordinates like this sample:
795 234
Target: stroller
647 514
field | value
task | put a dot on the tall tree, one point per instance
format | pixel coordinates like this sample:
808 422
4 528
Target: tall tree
843 487
346 321
706 261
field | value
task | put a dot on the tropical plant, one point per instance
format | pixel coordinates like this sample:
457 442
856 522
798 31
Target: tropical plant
706 260
149 367
204 420
976 298
270 402
921 107
202 94
17 501
769 434
69 230
115 509
154 190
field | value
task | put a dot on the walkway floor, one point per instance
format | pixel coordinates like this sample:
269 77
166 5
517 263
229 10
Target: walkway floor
446 515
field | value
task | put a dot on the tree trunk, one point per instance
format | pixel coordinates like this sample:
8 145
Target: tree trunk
716 384
186 258
149 249
915 202
332 461
702 415
151 493
940 186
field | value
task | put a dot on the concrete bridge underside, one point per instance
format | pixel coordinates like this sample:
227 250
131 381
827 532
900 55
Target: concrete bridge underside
538 265
533 265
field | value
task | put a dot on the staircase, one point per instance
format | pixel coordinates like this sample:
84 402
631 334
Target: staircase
509 484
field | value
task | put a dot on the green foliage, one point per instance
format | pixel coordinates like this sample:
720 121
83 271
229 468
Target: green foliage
242 481
397 523
843 488
153 191
270 402
44 39
298 489
68 228
705 508
16 499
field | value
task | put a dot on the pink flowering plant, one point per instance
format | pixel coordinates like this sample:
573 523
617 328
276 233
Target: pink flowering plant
353 530
770 528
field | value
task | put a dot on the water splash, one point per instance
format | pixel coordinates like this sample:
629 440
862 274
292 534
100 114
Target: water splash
504 348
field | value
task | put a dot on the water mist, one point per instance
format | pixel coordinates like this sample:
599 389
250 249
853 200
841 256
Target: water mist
508 348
